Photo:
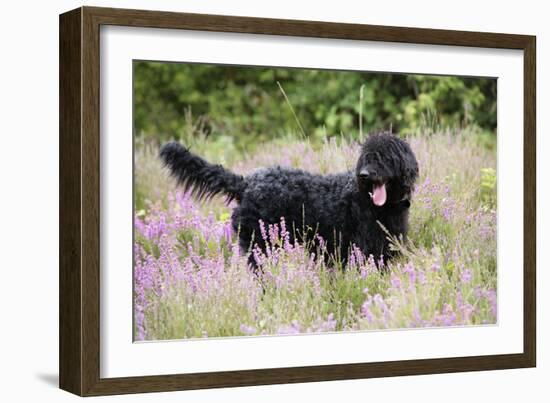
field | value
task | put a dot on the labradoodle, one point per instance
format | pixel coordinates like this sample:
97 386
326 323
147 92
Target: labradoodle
358 207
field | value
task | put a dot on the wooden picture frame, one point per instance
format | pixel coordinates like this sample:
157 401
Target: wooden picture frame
79 348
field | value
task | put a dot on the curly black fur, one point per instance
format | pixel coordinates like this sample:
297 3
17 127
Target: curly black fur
205 180
339 207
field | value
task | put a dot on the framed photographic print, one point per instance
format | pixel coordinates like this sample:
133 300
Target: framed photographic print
249 201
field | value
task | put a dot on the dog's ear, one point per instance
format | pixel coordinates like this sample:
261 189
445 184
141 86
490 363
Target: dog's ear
409 172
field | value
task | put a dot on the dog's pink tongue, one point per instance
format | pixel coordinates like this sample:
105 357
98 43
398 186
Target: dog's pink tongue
379 194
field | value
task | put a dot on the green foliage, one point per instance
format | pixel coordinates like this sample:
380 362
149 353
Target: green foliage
241 106
488 186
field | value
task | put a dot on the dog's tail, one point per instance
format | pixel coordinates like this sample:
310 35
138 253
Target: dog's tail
203 179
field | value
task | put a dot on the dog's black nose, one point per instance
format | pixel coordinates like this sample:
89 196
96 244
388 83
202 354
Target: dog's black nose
364 173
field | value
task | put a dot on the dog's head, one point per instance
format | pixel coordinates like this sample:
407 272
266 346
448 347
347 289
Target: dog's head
386 170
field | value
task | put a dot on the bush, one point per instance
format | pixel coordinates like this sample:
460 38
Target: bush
245 105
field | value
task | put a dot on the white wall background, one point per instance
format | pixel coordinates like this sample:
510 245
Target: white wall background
29 198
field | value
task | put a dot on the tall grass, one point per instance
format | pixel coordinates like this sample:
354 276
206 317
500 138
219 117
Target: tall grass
191 279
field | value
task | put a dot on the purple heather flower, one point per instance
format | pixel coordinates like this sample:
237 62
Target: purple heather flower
492 297
294 328
262 230
448 318
228 233
409 269
366 310
465 276
422 277
248 330
395 282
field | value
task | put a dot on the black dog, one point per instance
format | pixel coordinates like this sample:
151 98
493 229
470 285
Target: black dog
344 209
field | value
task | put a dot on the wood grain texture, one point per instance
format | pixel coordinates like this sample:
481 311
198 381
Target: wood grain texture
161 383
90 201
80 200
70 273
315 29
530 203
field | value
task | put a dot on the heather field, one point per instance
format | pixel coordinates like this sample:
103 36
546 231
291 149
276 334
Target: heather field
192 281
